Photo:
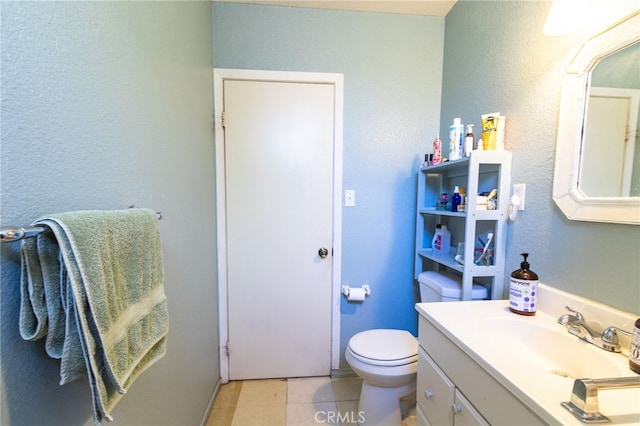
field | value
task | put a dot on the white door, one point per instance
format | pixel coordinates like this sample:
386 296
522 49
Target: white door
278 142
609 145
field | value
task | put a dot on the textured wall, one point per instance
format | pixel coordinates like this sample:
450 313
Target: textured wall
498 59
392 68
104 105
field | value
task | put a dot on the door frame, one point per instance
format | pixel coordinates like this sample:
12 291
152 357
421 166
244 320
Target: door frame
335 79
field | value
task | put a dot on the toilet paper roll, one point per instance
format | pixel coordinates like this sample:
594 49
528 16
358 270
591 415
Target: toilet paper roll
356 295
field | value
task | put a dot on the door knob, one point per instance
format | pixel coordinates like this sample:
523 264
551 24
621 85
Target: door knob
323 252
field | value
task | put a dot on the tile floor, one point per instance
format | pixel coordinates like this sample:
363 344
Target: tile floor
290 402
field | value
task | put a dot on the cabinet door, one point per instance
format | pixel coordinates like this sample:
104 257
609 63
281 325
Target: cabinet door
435 391
421 418
464 414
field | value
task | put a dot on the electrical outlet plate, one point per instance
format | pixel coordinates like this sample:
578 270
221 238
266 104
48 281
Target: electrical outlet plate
519 190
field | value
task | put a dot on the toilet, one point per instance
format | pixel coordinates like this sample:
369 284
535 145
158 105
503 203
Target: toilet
387 360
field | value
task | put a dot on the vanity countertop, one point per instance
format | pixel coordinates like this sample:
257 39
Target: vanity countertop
534 358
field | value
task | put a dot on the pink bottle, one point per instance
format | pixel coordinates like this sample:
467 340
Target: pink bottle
437 150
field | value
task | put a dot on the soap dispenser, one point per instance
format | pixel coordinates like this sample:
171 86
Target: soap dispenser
523 289
634 350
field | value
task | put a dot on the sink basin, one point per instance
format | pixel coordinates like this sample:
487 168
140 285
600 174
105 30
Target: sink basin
551 348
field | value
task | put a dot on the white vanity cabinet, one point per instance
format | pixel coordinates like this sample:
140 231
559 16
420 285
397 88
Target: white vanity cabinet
479 173
453 389
439 402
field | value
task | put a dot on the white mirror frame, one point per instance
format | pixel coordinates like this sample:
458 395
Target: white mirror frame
573 203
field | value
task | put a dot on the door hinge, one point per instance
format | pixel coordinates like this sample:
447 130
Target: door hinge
227 349
223 119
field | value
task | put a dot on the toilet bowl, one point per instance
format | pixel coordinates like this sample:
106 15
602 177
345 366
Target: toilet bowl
387 361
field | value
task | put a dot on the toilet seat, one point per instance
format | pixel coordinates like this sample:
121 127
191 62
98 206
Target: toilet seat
384 347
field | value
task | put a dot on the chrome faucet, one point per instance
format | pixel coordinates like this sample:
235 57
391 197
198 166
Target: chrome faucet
576 325
584 397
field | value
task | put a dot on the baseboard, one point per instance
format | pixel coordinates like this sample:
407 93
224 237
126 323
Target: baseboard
216 389
343 373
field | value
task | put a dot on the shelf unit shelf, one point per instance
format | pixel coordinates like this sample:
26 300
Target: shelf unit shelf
480 172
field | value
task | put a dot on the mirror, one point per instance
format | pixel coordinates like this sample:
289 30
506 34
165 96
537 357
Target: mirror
597 171
609 163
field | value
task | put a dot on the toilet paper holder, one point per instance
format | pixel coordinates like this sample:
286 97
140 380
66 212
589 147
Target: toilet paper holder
346 290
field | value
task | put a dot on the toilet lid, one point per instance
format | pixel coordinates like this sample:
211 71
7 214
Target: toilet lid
385 345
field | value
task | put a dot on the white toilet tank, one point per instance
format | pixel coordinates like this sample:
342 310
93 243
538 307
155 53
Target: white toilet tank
446 287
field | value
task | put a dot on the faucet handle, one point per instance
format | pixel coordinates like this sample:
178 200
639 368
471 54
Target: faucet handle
610 334
577 314
609 338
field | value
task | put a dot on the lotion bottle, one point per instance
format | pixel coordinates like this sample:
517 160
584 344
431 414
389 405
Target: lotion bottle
523 289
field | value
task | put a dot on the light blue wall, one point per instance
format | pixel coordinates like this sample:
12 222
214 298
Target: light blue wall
392 66
104 105
495 59
498 59
109 104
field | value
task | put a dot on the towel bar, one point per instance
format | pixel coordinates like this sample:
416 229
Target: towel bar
9 234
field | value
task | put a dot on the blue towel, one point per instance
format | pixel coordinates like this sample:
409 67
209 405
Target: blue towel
94 287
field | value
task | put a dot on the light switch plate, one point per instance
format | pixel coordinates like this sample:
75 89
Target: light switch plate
519 190
349 198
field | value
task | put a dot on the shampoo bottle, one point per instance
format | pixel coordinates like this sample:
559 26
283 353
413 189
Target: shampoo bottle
523 289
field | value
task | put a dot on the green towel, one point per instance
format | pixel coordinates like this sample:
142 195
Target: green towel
42 311
96 290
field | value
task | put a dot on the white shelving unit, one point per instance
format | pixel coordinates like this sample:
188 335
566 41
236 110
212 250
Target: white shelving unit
481 172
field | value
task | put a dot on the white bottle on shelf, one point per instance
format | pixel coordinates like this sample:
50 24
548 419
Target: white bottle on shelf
455 131
441 242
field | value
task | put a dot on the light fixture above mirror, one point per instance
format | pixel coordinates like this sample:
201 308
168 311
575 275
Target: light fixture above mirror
571 16
567 194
